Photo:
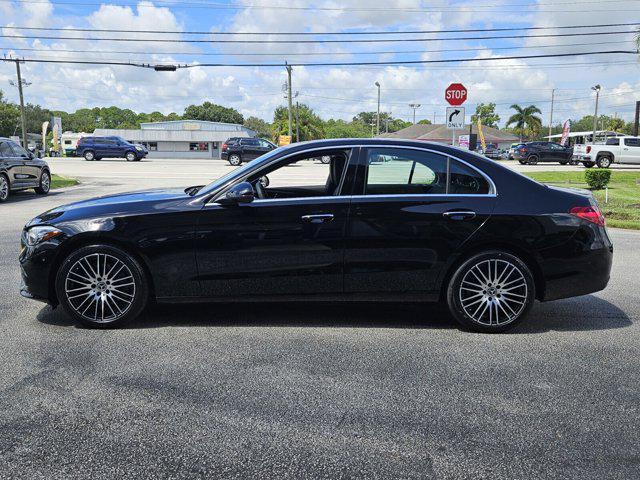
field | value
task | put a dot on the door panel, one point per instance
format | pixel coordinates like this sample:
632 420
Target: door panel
272 247
415 210
12 164
30 171
400 244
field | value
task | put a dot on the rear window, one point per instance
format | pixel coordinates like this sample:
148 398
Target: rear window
632 142
85 140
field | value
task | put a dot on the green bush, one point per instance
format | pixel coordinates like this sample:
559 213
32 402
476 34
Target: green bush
597 179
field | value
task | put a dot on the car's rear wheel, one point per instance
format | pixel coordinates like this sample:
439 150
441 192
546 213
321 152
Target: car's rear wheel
130 157
4 187
522 162
491 292
235 160
102 286
588 164
89 156
532 160
45 184
604 161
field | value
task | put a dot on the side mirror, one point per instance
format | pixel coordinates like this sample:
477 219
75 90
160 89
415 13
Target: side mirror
240 193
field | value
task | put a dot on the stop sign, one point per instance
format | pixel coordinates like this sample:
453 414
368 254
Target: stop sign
455 94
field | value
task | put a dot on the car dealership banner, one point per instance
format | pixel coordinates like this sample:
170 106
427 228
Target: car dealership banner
566 129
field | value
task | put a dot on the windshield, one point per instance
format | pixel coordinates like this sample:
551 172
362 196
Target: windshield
238 171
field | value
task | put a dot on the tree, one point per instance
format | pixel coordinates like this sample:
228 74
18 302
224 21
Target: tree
342 129
311 125
9 117
424 121
525 122
486 112
262 128
213 113
616 124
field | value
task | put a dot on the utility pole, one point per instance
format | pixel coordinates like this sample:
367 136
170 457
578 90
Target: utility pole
553 93
22 117
595 115
377 84
297 122
434 118
415 106
637 120
288 67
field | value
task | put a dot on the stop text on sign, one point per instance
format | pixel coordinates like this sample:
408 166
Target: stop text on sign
455 94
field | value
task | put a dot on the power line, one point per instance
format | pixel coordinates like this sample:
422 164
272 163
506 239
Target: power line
343 53
322 64
223 6
369 40
378 32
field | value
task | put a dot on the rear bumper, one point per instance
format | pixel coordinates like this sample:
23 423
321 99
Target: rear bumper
587 269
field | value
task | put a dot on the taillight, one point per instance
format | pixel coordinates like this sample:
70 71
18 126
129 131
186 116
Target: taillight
588 148
523 150
224 147
591 214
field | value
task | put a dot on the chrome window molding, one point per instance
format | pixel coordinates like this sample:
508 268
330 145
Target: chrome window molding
210 198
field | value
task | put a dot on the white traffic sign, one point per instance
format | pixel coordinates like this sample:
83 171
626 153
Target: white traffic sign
455 117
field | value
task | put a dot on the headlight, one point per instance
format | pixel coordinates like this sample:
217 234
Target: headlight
36 235
139 148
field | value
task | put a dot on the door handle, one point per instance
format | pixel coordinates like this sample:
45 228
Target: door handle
320 218
459 215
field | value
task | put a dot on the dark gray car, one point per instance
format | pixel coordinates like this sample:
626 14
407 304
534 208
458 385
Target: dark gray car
21 170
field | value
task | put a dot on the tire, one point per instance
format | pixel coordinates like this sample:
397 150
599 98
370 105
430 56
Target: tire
5 188
604 161
104 305
476 303
89 156
588 164
564 163
522 162
325 159
45 183
532 159
130 156
235 159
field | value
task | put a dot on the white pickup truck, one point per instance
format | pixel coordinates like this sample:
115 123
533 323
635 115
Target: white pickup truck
617 149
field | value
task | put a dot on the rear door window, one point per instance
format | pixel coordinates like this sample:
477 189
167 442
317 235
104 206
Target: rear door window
613 141
632 142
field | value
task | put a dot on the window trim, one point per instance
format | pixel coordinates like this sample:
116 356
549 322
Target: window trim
210 198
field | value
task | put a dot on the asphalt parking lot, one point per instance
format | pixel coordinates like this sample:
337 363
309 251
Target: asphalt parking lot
312 391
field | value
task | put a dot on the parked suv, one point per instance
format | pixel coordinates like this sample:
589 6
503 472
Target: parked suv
240 149
97 148
534 152
20 170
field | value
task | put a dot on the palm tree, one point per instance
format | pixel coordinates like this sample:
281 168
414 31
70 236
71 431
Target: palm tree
525 119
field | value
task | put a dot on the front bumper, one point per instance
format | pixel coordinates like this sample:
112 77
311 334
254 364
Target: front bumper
36 267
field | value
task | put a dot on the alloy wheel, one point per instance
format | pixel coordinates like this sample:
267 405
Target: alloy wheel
130 157
45 182
234 160
493 292
100 287
4 188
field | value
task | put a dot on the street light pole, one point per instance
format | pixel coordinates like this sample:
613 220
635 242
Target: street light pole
595 115
289 95
415 106
553 93
377 84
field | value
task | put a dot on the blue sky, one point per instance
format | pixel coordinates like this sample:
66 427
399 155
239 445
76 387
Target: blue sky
338 92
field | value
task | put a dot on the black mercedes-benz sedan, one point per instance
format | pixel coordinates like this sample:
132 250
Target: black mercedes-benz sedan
383 220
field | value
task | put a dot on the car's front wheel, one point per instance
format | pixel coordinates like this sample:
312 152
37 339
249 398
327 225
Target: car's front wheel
102 286
491 292
130 157
235 160
4 187
45 184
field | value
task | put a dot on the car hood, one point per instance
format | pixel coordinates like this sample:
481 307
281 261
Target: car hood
118 205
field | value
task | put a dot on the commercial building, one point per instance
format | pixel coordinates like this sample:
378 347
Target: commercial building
180 138
441 134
